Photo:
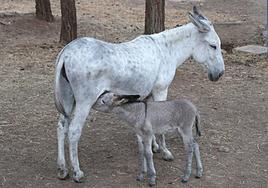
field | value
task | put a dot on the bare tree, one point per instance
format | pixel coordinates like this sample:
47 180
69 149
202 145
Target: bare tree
154 16
43 10
68 21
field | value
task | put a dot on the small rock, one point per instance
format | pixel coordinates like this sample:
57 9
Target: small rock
265 35
215 142
224 52
253 49
224 149
262 27
109 156
3 122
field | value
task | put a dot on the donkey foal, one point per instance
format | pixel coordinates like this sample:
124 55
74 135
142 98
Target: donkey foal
149 118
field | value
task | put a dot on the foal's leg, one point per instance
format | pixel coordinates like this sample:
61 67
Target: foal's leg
147 141
155 146
189 148
161 95
199 168
75 130
62 130
142 160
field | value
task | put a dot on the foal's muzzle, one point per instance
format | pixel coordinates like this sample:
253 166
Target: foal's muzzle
215 77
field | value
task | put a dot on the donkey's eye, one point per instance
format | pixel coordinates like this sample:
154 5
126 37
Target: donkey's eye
213 46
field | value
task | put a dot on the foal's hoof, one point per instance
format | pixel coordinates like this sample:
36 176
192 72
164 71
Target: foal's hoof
199 174
168 157
184 179
140 177
78 177
63 174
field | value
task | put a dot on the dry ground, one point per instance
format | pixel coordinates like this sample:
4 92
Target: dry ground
234 144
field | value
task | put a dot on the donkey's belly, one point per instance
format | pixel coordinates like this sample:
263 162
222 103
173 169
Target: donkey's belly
132 87
133 83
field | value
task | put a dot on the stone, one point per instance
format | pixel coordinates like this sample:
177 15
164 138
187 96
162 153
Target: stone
224 149
265 35
253 49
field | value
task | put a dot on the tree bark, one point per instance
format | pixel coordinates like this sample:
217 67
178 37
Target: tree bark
68 21
43 10
154 16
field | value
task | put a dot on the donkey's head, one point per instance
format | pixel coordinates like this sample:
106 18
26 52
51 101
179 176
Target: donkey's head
207 50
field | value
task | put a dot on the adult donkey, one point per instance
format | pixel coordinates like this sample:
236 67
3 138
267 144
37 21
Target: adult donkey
88 67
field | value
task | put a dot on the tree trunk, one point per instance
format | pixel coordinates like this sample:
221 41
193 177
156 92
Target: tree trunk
154 16
43 10
68 21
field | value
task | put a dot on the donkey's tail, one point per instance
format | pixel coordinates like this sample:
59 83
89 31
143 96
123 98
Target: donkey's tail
63 94
197 124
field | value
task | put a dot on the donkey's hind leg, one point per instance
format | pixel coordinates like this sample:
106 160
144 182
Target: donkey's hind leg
62 130
75 129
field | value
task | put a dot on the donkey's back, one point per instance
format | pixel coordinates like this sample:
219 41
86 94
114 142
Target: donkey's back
126 68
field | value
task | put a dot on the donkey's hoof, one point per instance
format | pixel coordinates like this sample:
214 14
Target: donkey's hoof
63 174
156 148
168 157
78 177
152 181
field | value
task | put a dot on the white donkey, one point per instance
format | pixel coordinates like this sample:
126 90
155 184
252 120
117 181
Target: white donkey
88 67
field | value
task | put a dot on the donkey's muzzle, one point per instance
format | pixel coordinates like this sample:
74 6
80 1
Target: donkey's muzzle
215 77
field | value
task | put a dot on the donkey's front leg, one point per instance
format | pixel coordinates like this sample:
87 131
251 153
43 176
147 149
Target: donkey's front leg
62 130
75 130
161 95
167 155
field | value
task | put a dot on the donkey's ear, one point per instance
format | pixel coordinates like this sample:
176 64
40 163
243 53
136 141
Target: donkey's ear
198 14
197 21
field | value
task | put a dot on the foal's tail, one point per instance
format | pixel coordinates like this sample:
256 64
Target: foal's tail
63 94
197 123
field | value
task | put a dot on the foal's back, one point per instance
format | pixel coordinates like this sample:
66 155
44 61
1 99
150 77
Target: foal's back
165 116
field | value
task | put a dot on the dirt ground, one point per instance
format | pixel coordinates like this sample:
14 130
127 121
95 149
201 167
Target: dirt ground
234 145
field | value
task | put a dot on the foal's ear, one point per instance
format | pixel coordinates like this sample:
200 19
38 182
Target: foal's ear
198 20
119 100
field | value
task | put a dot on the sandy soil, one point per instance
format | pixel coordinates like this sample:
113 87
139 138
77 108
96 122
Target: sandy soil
234 145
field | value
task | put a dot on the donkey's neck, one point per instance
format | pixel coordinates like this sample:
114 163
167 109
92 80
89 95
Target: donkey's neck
177 44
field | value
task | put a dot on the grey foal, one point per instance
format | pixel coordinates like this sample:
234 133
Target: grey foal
149 118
